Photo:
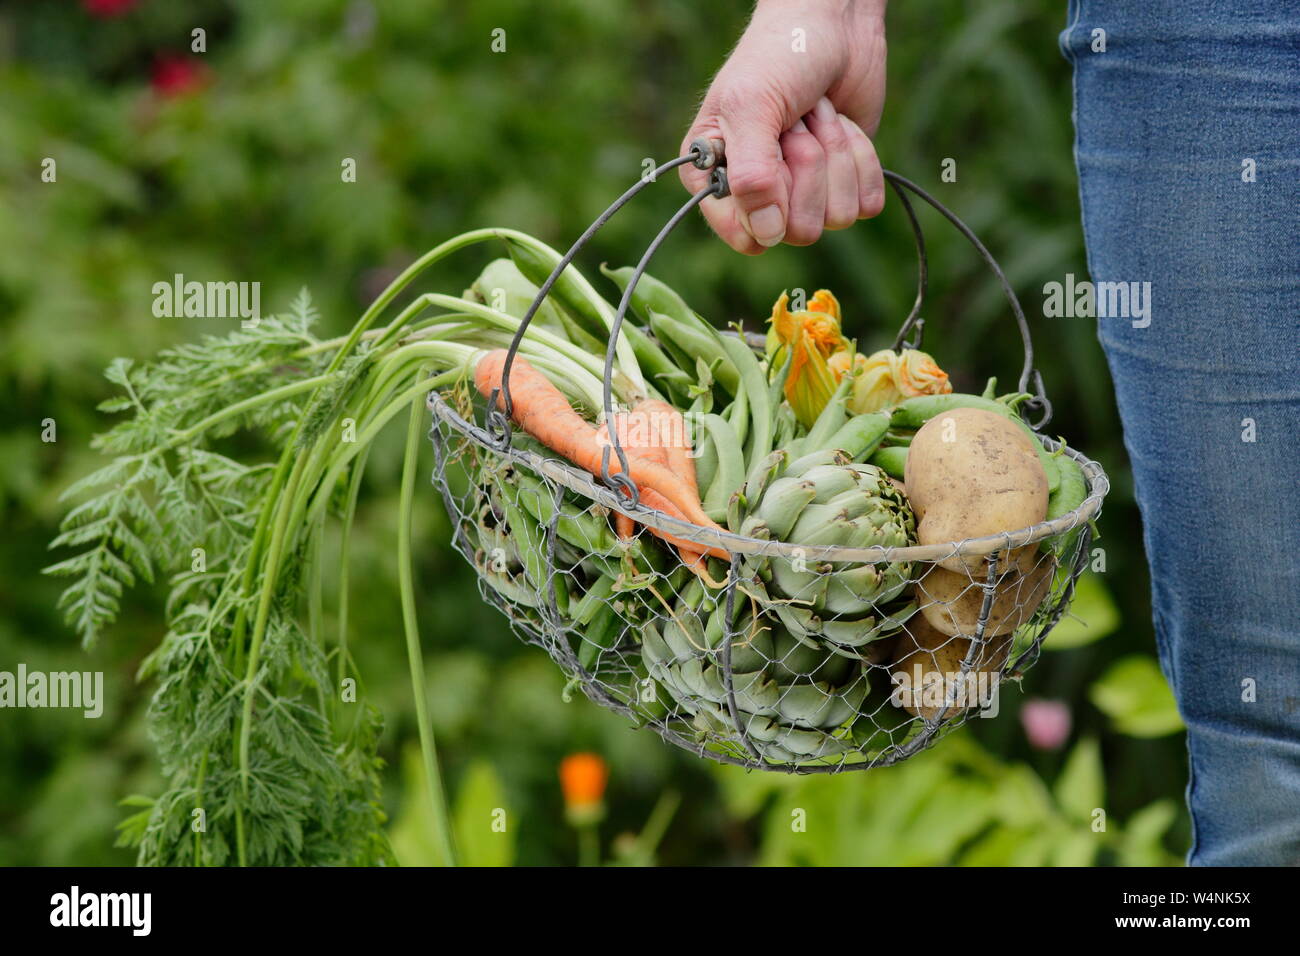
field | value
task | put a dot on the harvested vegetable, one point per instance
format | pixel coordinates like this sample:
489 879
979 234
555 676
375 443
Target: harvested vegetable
544 413
972 473
951 601
927 671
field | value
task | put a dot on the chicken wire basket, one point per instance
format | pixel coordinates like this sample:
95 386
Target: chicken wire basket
812 635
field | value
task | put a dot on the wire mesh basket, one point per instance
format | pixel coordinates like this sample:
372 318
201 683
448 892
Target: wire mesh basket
812 634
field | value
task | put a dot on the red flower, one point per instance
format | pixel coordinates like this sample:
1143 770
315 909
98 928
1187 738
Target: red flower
178 75
107 8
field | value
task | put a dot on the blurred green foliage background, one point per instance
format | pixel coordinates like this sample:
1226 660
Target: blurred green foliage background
225 165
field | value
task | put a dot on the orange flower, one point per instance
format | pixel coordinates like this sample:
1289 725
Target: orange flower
582 779
918 374
883 379
821 357
813 337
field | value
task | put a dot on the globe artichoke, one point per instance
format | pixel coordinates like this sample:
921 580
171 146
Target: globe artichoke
794 703
825 499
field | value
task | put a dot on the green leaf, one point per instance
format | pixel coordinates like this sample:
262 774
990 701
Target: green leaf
1076 848
480 797
1081 787
1134 694
484 831
1141 844
1092 616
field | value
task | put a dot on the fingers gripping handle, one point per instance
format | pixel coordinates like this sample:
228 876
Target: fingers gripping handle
712 154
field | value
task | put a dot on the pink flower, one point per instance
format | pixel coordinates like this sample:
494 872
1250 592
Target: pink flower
104 9
178 75
1046 722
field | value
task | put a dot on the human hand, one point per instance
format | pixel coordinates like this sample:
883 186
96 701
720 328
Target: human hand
796 111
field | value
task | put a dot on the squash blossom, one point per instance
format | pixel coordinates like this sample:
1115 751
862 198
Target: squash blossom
811 336
883 379
822 356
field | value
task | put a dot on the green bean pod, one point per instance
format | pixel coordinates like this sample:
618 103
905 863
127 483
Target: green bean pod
891 459
861 435
731 466
753 385
565 293
1070 495
698 343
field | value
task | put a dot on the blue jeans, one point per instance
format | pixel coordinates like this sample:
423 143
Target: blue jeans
1188 147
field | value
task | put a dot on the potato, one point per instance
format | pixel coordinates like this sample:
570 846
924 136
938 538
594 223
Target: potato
972 473
938 657
951 600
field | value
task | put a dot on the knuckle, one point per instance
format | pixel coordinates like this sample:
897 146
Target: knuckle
801 149
753 179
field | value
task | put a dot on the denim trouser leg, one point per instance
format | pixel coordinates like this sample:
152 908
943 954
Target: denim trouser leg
1184 94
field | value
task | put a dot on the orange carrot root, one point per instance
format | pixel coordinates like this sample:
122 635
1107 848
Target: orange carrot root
669 431
542 411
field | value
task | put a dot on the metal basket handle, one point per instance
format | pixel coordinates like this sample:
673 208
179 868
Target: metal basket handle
710 154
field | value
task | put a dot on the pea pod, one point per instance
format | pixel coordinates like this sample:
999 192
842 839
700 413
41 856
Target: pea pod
1071 493
529 541
915 412
583 530
566 292
861 434
731 466
753 385
655 363
695 341
503 286
570 296
600 635
706 461
892 460
652 295
596 597
831 420
738 414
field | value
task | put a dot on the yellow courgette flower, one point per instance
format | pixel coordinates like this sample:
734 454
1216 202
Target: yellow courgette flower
822 357
812 336
883 379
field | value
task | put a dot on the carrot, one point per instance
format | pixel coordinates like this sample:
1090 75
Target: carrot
668 429
543 412
657 501
628 439
648 432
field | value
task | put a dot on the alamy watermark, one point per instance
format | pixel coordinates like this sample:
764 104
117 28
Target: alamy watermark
208 300
130 910
1100 300
81 690
946 692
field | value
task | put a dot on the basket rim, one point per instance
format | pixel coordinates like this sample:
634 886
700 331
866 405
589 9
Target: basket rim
586 485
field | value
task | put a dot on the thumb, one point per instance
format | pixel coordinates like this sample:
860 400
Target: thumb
754 215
